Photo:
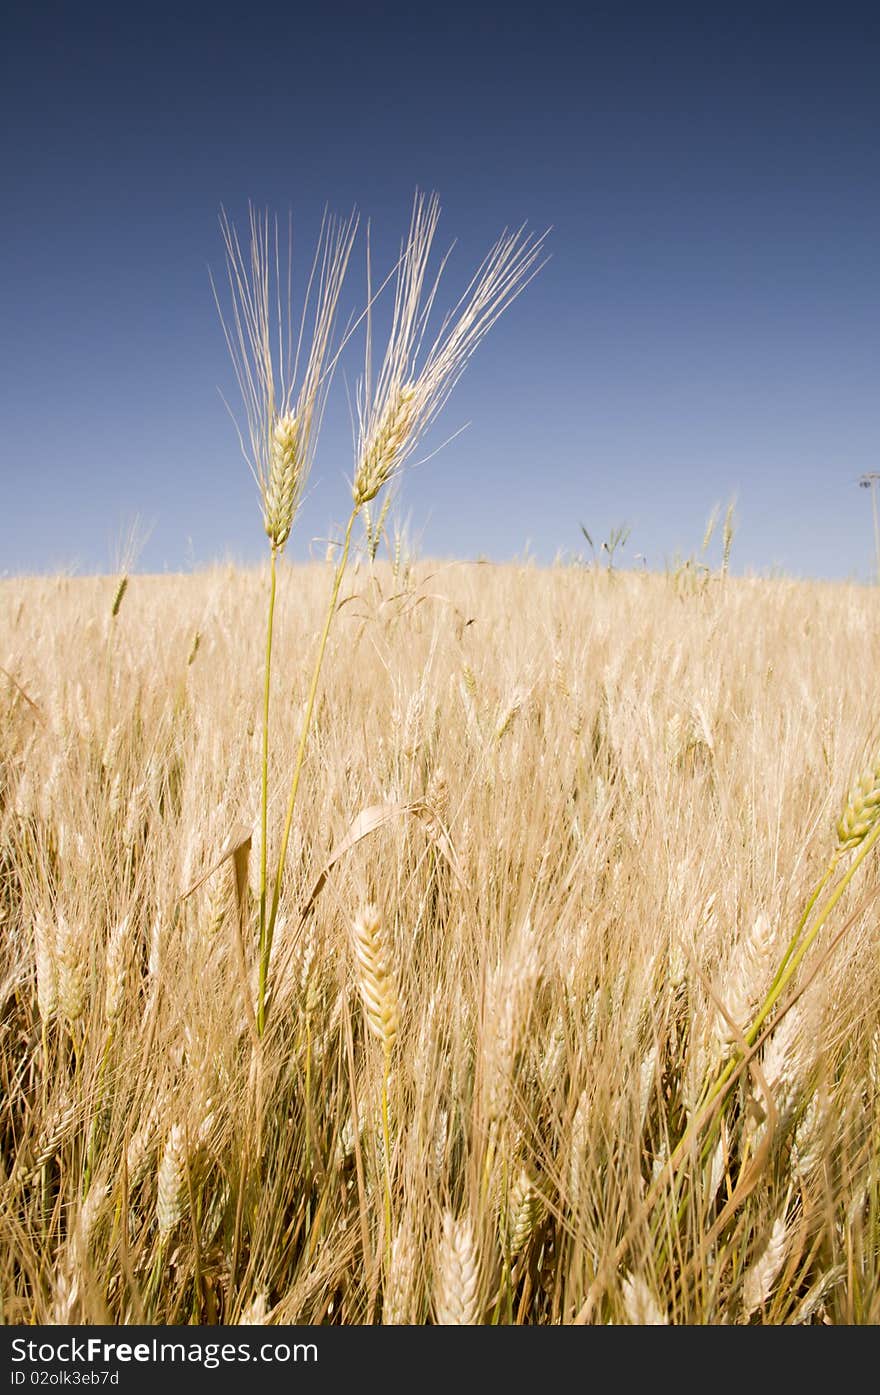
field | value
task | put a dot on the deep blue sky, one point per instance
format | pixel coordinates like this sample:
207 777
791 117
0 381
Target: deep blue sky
709 323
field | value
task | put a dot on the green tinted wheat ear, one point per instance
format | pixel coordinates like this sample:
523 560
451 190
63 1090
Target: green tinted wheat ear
171 1192
727 535
861 812
142 1144
119 595
524 1211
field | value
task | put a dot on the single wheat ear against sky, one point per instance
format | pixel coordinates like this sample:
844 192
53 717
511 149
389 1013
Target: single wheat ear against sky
709 324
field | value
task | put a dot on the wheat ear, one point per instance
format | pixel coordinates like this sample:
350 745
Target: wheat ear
376 979
861 812
171 1192
456 1298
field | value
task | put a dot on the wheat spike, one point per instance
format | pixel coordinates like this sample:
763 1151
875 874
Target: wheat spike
70 952
509 714
65 1297
398 1295
376 976
647 1083
59 1127
411 388
142 1142
283 397
510 988
727 536
811 1136
760 1279
580 1137
89 1215
172 1200
861 812
456 1301
383 449
641 1307
254 1315
155 953
524 1211
282 484
119 595
45 955
747 973
116 970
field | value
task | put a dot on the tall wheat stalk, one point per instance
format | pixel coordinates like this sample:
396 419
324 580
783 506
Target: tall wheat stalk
397 408
283 384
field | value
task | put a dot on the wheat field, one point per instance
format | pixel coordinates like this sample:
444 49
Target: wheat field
556 831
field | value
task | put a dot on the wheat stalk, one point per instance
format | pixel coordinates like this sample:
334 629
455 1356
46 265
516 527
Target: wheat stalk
378 988
393 413
116 970
283 405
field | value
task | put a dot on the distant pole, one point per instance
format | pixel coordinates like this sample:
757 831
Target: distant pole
869 481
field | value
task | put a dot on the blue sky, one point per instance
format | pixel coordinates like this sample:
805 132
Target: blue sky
708 326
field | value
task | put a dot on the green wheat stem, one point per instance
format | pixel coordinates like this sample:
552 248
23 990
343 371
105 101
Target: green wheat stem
264 759
793 943
784 978
386 1140
791 961
309 1094
266 946
488 1164
93 1130
790 965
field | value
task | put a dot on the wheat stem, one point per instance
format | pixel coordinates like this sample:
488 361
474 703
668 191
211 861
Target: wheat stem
783 979
386 1142
266 948
264 766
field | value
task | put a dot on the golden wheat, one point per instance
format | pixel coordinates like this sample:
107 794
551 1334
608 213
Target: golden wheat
577 931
